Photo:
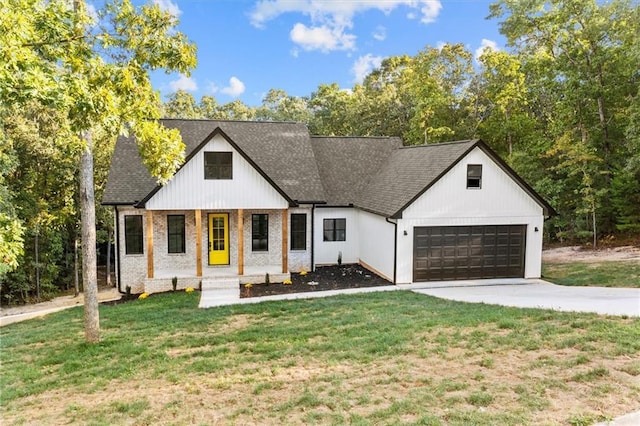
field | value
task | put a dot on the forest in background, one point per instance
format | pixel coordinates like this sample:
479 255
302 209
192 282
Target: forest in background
560 105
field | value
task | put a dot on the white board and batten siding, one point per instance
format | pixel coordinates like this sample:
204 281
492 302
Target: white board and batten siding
500 201
189 190
377 243
326 252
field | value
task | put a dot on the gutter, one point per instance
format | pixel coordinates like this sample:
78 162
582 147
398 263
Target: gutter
313 239
395 247
117 248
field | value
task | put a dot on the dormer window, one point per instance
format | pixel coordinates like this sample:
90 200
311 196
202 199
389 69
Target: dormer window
474 176
218 165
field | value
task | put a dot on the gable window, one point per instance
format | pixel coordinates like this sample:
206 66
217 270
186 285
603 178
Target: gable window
175 233
474 176
298 231
218 165
334 229
260 232
133 241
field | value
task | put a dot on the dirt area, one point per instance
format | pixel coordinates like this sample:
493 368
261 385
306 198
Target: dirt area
323 278
581 254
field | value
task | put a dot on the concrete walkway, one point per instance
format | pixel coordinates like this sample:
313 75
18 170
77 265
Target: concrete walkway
520 293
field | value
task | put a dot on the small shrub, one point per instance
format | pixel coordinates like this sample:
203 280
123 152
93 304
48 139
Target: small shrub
143 296
127 291
339 258
286 282
267 280
174 283
189 290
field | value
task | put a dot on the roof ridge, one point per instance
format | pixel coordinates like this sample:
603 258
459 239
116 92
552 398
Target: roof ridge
424 145
355 137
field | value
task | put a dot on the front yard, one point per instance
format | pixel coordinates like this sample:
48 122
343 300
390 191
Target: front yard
382 358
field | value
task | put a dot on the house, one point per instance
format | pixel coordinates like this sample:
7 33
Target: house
267 197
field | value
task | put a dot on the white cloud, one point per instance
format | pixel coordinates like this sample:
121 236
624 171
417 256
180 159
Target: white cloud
183 83
169 6
234 89
364 65
380 33
322 38
485 44
331 20
430 11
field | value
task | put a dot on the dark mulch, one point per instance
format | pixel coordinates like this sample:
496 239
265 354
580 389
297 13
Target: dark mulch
323 278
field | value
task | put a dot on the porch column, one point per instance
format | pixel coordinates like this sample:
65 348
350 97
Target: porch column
240 242
285 239
149 243
198 214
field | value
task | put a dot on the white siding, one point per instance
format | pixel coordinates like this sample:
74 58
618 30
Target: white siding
376 243
500 201
326 252
189 190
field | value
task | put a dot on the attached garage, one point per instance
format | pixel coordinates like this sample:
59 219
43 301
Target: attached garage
468 252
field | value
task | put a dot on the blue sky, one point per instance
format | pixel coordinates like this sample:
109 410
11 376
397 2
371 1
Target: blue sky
246 48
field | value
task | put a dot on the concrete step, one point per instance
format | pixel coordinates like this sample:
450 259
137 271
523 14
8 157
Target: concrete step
221 284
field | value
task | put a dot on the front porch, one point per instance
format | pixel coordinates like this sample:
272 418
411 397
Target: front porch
204 238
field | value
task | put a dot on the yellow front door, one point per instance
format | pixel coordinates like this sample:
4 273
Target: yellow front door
218 239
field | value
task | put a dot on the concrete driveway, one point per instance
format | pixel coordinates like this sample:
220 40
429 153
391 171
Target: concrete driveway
538 294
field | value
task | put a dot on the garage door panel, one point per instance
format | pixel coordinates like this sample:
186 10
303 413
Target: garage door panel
468 252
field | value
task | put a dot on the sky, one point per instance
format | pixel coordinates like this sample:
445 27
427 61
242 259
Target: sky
246 48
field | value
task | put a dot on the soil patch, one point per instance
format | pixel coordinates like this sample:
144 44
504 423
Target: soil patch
323 278
581 254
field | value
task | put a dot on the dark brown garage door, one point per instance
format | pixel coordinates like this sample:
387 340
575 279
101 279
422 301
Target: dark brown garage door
468 252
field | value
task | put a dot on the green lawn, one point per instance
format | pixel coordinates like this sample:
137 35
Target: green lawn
601 274
380 358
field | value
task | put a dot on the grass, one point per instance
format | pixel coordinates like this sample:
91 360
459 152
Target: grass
380 358
601 274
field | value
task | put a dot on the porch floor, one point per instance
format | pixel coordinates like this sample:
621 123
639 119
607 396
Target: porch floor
252 274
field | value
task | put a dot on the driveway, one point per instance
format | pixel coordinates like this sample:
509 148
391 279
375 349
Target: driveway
539 294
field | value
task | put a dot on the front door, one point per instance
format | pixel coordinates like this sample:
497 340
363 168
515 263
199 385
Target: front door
218 238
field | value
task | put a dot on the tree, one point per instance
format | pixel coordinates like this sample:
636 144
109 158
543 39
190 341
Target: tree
96 70
181 104
581 52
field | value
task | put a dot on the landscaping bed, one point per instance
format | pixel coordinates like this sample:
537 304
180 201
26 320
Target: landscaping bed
323 278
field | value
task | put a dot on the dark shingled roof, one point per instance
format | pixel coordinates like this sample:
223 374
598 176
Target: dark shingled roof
376 174
280 150
409 172
347 164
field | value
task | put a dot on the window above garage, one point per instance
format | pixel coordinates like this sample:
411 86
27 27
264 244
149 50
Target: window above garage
474 176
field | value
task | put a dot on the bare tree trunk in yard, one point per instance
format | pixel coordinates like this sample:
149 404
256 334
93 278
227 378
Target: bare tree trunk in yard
88 217
76 280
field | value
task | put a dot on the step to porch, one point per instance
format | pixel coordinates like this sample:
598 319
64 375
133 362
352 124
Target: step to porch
221 284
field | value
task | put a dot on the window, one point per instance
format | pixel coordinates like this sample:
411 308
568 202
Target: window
218 165
260 232
298 231
335 229
175 233
474 176
133 242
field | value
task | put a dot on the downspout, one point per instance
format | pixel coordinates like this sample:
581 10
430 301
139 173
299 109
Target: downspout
117 247
395 247
313 239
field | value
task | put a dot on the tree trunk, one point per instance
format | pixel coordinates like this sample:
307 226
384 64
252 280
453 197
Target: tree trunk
88 217
76 280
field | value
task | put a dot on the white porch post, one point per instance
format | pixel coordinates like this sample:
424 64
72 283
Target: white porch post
285 239
149 244
240 242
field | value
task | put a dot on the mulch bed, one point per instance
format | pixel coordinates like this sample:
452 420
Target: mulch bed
322 279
